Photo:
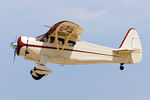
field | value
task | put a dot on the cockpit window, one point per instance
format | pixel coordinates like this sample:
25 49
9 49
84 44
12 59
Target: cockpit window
42 38
71 43
52 39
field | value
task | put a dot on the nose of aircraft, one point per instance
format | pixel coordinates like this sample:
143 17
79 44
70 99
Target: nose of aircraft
13 45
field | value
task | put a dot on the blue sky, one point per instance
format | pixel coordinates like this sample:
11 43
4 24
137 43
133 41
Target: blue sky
105 23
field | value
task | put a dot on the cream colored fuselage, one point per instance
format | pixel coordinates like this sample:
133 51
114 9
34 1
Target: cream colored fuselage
81 53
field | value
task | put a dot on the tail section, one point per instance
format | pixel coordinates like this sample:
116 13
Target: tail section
130 48
131 40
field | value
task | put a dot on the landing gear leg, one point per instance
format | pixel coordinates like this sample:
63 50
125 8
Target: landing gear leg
121 66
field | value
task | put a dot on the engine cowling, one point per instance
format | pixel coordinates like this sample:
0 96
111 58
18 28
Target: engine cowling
40 71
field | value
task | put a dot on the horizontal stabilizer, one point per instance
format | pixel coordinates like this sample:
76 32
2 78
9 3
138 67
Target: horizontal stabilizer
123 52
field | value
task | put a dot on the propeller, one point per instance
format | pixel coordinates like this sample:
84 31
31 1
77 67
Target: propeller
15 53
26 51
13 45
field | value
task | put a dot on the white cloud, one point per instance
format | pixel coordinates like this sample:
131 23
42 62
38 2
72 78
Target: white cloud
81 14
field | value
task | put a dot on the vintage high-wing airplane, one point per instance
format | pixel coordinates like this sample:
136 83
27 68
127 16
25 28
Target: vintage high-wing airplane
60 45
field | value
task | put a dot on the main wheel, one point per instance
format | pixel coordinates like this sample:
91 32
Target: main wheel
38 77
121 67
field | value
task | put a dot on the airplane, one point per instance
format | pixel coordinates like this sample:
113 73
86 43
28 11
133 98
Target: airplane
61 45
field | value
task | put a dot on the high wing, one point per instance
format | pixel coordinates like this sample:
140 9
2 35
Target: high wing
64 33
66 30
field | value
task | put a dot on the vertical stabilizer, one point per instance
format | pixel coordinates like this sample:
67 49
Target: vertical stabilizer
132 42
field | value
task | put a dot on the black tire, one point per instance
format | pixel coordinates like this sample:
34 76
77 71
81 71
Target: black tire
39 76
36 78
121 68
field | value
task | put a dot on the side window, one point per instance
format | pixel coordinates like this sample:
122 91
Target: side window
62 40
44 39
52 39
71 43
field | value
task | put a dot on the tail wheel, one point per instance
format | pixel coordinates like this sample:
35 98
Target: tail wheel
121 66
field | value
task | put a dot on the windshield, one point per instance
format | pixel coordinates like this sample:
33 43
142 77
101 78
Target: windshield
42 38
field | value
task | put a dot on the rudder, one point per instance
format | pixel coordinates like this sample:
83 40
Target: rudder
132 42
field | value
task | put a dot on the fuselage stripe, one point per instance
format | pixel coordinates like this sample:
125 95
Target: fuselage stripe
21 44
30 45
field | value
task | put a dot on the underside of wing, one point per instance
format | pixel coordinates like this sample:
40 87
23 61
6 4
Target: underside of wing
62 34
66 30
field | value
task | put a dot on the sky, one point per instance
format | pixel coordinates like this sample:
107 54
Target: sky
105 22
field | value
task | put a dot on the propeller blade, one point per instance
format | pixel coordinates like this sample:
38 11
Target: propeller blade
16 39
15 53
